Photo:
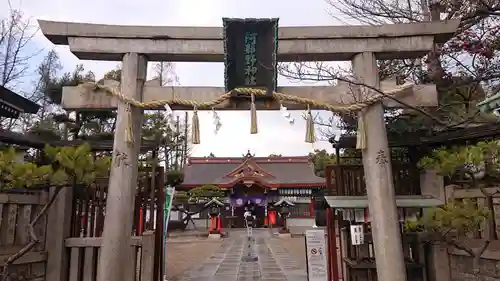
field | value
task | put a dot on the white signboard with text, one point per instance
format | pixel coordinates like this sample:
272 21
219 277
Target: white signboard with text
316 255
357 235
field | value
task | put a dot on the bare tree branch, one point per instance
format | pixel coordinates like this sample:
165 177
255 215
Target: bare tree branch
464 69
15 35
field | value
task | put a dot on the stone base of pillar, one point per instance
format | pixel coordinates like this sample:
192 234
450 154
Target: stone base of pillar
249 258
214 235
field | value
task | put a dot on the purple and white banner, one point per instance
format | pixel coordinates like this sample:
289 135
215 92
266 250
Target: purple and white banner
258 200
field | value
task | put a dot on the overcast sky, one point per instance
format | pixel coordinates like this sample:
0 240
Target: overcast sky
276 135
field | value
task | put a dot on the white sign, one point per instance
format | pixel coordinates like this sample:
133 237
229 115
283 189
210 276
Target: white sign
357 235
316 255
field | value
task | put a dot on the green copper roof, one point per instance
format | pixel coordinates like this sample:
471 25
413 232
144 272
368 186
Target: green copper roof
490 103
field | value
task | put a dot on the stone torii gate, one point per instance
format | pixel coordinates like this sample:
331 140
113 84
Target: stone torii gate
134 45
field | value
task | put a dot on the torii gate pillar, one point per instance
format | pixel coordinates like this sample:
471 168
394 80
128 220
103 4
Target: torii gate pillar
379 181
116 253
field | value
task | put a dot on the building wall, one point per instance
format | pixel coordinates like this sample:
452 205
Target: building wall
201 224
301 210
298 226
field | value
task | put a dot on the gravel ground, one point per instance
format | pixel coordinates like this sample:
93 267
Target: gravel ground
185 254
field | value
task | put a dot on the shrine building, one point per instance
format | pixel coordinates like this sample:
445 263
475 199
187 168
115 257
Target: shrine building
260 181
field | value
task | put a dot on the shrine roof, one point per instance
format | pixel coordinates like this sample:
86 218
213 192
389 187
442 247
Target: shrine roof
295 171
11 104
457 136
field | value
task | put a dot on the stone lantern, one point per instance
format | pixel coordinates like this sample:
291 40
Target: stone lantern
214 206
214 211
283 207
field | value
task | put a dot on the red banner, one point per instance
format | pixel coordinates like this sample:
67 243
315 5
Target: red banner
272 217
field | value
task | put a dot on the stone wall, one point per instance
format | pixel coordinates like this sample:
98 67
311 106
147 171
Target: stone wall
461 269
449 264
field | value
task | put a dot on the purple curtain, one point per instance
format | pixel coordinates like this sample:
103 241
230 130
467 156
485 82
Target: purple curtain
259 200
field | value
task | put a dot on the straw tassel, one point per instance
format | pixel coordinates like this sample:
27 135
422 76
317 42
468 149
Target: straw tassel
129 135
361 135
310 134
195 137
253 116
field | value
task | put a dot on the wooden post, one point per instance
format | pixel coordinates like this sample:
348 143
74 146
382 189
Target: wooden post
438 259
148 256
331 253
116 252
58 229
379 181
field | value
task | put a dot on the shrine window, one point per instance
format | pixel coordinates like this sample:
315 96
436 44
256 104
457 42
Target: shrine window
300 210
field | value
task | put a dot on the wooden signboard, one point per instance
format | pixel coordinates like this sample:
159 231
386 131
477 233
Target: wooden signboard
6 110
250 53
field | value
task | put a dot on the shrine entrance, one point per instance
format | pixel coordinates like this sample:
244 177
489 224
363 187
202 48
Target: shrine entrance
257 181
249 195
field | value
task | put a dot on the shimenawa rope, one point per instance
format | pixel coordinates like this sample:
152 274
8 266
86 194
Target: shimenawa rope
348 108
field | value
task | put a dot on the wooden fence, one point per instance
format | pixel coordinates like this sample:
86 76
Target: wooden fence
70 236
348 179
84 225
16 212
84 256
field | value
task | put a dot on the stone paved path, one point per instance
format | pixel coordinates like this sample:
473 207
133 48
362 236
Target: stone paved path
274 262
185 253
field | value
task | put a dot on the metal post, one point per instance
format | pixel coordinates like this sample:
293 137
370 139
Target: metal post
250 254
167 206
